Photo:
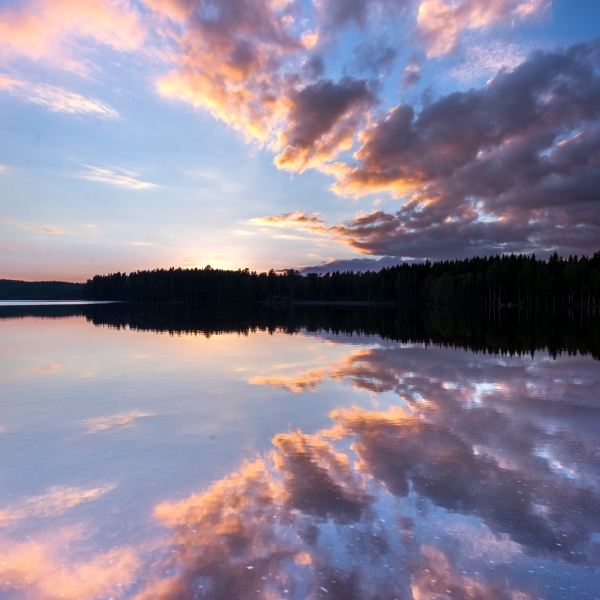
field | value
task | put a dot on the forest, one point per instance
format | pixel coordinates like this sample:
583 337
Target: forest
13 289
518 280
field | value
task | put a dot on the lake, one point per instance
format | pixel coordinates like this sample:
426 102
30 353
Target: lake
239 452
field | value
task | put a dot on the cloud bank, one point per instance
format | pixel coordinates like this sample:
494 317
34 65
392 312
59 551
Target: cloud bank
510 167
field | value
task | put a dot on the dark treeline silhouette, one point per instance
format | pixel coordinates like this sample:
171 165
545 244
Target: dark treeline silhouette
518 280
482 329
12 289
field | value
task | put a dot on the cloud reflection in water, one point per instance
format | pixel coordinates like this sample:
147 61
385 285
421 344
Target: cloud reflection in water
482 479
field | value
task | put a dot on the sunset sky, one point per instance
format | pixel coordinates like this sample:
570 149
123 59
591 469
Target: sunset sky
274 133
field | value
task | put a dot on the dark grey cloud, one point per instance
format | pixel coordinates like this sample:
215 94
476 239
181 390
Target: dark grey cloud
513 166
353 264
335 14
314 66
373 58
412 72
323 117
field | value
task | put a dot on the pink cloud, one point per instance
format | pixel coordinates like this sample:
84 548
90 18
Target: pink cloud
48 31
441 23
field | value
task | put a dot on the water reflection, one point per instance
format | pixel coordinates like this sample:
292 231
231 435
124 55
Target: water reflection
440 474
314 519
507 331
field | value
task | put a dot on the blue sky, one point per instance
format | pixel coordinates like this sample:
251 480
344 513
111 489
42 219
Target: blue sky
250 133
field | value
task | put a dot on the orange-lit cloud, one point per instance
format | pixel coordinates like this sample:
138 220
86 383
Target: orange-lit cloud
300 382
50 30
294 220
358 233
323 120
246 67
36 570
245 532
260 67
228 64
435 578
441 22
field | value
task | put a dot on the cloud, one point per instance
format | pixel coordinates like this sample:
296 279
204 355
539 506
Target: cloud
374 58
57 99
229 61
50 231
300 382
314 66
435 578
446 446
98 424
508 167
50 30
248 67
322 122
51 504
123 178
354 264
336 15
485 60
37 570
294 220
254 64
412 71
257 528
441 23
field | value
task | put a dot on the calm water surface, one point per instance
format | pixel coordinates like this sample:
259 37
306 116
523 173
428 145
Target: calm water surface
152 453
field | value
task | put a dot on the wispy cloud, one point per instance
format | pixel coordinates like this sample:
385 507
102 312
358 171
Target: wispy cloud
54 502
122 178
50 231
294 220
103 423
57 99
486 60
300 382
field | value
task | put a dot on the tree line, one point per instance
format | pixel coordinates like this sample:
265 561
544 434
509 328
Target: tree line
496 280
13 289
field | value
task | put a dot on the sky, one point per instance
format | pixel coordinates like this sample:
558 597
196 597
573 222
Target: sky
141 134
